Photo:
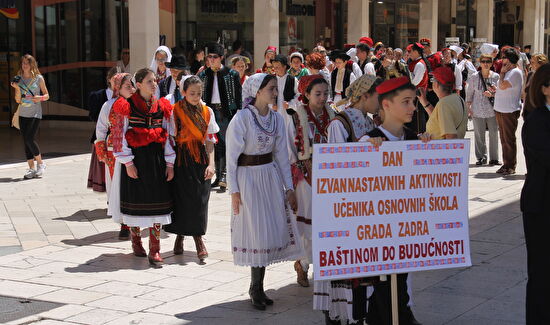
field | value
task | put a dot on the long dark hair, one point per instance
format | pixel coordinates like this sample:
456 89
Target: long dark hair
541 79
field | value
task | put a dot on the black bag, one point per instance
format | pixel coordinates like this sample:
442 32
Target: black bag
491 99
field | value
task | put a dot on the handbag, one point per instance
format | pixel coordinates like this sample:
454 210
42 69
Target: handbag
491 99
15 118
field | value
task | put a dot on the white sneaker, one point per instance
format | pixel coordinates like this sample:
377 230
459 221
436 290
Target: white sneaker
31 173
40 170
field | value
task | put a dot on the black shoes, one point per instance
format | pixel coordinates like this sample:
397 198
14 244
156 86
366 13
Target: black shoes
258 298
494 163
124 233
223 183
482 161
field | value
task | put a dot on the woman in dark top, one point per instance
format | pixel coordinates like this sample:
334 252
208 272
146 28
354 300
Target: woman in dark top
535 197
197 60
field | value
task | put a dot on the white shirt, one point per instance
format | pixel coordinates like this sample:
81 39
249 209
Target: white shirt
171 88
109 93
281 81
418 73
215 90
387 133
122 67
368 69
509 100
458 76
336 131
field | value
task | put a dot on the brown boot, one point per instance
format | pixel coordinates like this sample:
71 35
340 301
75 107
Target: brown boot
154 246
201 249
137 246
178 245
301 275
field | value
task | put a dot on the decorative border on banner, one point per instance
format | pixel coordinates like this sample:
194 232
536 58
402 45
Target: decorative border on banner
348 149
392 266
344 164
435 146
449 225
438 161
333 234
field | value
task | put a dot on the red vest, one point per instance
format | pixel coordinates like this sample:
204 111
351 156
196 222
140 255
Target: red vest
424 82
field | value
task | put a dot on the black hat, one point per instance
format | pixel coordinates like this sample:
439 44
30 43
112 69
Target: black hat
178 62
338 54
215 48
281 59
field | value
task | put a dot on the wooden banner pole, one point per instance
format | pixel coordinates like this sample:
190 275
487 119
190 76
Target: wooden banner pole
394 302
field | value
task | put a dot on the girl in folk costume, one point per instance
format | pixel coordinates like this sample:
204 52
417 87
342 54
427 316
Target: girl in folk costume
419 79
263 229
194 129
122 89
140 194
309 125
337 299
353 122
158 63
240 64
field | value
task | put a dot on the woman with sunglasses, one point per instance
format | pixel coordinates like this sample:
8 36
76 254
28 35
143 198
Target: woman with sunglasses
479 100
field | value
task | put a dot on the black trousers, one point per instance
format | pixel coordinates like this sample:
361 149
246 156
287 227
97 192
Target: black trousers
538 282
29 127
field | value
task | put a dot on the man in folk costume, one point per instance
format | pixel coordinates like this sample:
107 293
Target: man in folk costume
433 60
140 194
419 78
222 93
287 86
341 77
170 84
345 301
309 124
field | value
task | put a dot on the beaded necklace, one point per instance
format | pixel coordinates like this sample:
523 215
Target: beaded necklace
264 130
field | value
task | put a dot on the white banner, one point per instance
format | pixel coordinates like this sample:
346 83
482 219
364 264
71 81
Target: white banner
400 208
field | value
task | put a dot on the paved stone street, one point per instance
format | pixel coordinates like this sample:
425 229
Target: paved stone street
58 245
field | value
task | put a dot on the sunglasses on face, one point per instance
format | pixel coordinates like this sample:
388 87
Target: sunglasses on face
486 61
213 56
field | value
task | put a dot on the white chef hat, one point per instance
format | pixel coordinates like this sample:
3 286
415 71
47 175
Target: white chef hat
457 49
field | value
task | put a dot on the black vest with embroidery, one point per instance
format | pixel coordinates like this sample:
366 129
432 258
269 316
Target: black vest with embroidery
288 91
138 119
345 82
377 133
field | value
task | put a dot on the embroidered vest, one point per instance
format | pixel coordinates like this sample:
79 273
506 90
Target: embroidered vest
302 119
424 82
288 91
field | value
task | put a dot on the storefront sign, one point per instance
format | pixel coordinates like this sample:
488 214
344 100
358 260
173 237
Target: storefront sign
219 6
402 207
452 41
7 8
299 10
292 28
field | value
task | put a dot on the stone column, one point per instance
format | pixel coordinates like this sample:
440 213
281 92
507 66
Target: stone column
533 25
427 24
484 19
266 28
358 20
143 32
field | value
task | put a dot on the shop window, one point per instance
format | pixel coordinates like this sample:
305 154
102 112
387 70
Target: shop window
395 23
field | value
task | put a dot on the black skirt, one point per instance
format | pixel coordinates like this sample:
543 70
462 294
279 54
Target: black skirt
190 194
149 194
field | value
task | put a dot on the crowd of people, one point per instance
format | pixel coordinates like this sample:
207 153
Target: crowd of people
165 132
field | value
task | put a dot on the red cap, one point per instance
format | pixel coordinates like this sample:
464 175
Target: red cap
425 41
444 75
409 47
305 81
271 48
391 84
367 40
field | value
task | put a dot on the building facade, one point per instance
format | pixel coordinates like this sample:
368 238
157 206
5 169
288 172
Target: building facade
76 41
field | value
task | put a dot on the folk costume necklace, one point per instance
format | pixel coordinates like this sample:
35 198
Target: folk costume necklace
320 126
272 126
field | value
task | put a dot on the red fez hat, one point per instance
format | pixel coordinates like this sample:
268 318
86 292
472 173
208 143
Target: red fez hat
367 40
444 75
348 46
425 41
305 81
391 84
409 47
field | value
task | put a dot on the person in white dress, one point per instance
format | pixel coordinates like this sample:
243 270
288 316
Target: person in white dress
263 227
308 126
140 194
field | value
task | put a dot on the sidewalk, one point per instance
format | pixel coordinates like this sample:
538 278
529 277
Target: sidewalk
59 246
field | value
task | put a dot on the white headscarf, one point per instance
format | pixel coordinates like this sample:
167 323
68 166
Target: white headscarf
251 87
154 65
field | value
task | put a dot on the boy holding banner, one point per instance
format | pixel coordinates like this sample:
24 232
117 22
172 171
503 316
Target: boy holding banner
397 102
